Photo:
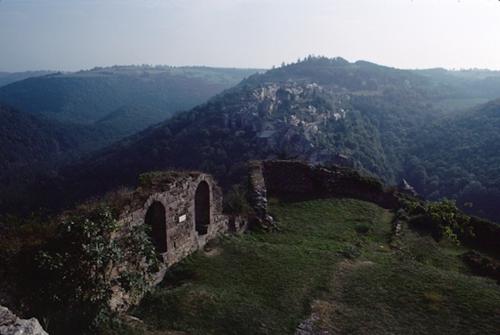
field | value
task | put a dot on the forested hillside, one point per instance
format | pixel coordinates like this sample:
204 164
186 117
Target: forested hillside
33 146
459 157
26 139
123 99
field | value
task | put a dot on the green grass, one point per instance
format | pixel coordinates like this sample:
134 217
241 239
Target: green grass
331 258
395 297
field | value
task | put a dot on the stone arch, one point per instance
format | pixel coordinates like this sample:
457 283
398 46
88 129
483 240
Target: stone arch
202 208
156 219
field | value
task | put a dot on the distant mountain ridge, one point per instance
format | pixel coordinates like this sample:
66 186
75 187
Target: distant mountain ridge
87 96
11 77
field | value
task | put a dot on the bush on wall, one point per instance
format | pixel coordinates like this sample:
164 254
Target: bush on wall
89 257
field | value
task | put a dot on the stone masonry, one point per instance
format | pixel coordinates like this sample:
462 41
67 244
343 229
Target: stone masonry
175 198
184 210
298 180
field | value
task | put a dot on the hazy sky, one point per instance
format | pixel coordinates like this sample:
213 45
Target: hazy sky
76 34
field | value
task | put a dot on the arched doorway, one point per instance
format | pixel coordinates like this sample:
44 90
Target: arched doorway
155 218
202 208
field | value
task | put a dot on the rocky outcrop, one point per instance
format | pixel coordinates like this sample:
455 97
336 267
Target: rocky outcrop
290 119
10 324
405 187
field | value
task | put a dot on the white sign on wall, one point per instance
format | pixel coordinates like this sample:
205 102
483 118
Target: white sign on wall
182 218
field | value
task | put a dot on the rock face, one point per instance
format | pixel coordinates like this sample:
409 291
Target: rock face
405 187
10 324
292 119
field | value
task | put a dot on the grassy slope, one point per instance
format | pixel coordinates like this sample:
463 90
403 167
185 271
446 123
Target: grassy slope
332 261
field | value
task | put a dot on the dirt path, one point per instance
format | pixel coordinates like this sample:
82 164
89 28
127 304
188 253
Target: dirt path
325 312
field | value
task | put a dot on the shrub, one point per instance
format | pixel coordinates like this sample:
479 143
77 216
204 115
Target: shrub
235 201
78 268
451 222
350 251
443 218
362 228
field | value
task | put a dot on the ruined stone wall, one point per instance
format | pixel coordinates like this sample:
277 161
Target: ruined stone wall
178 199
289 179
485 237
297 180
258 195
176 192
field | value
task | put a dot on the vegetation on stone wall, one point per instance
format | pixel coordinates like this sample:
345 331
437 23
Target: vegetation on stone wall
89 256
236 200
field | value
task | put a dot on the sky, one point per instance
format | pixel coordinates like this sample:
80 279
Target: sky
70 35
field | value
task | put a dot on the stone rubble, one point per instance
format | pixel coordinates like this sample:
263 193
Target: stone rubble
10 324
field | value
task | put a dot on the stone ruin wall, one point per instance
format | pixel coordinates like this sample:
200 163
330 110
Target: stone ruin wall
298 180
178 201
176 196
